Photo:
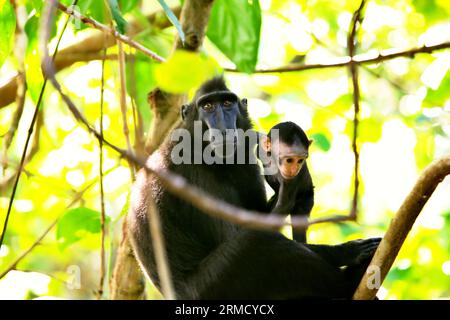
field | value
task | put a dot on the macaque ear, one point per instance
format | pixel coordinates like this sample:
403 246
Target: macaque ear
184 111
310 141
265 143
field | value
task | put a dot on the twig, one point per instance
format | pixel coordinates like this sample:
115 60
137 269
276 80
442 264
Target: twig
120 37
160 251
30 131
102 194
401 225
358 59
398 86
351 44
123 103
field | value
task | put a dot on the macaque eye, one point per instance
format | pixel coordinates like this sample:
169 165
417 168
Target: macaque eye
300 161
208 107
227 103
289 160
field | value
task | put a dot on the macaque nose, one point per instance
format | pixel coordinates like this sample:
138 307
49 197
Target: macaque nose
293 170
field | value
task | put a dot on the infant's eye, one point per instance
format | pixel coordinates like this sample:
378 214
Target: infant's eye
208 107
227 103
300 161
289 160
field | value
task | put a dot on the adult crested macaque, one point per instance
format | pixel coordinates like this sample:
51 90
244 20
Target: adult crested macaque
211 258
286 148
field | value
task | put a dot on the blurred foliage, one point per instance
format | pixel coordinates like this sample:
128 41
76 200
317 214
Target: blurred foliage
7 25
405 113
197 68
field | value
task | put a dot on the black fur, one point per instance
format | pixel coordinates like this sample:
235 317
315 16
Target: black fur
213 259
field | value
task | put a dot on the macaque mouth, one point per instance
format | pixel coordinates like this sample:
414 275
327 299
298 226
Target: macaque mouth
224 148
289 176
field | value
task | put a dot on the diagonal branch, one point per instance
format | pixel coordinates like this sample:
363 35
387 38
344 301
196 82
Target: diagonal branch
401 225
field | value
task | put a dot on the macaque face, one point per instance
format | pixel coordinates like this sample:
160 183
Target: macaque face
289 158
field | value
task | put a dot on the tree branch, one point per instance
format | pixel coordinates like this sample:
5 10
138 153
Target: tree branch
402 223
353 68
120 37
102 193
358 59
162 264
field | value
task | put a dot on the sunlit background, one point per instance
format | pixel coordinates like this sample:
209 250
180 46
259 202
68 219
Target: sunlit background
405 125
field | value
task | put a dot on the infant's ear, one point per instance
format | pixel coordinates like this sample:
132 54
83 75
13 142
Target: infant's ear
265 143
310 141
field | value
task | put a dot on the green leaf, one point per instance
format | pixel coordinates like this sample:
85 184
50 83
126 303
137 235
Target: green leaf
321 140
76 223
7 27
184 71
121 23
127 5
234 27
173 19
